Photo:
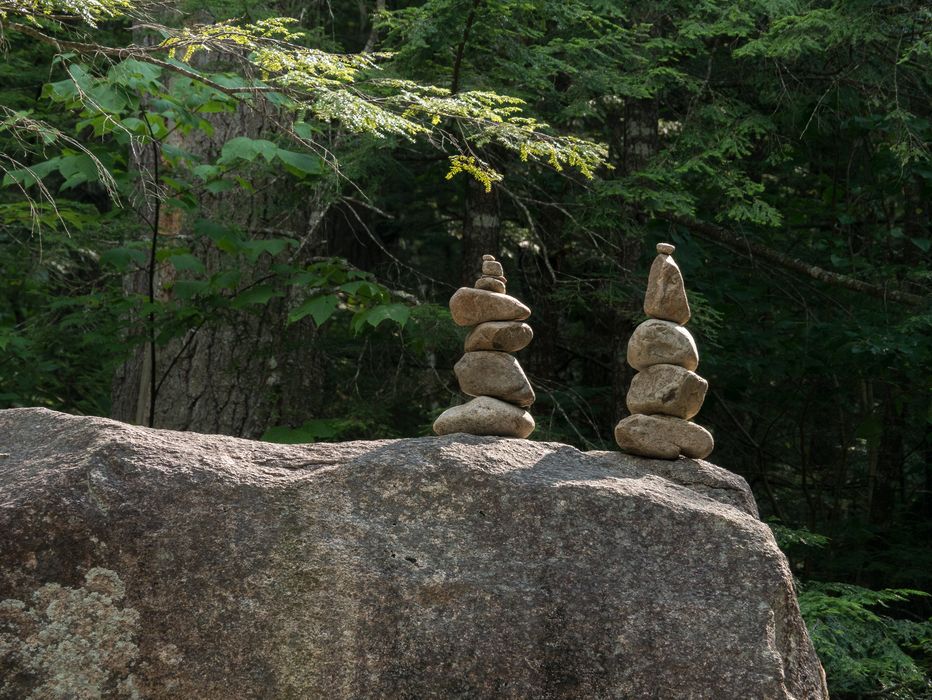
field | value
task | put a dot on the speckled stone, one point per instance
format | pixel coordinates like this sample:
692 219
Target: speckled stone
666 293
484 415
663 437
656 342
210 567
496 374
503 336
470 306
667 389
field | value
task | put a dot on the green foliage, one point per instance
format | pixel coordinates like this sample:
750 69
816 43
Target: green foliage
800 128
864 651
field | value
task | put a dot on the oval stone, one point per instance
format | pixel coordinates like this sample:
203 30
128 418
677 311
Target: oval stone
471 306
484 415
503 336
667 389
663 437
656 342
497 374
490 284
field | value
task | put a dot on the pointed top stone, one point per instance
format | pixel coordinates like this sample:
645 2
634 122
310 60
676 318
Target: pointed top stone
666 294
665 248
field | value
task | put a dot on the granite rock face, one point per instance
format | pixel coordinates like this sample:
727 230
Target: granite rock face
456 566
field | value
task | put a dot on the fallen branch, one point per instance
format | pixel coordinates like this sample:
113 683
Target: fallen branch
742 244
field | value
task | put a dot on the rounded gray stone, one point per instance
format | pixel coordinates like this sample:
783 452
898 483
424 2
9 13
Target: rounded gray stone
492 268
657 342
667 389
470 306
663 437
484 415
497 374
490 284
503 336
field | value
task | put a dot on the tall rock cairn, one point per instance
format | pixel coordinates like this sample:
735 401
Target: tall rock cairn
666 392
487 371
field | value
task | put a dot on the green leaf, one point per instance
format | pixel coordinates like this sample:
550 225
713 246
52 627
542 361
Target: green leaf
247 149
310 431
121 258
186 261
256 295
186 289
301 163
319 308
398 313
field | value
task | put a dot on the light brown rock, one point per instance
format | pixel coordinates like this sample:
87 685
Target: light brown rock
663 437
666 248
484 415
488 257
497 374
490 284
657 342
492 268
666 293
667 389
471 306
504 336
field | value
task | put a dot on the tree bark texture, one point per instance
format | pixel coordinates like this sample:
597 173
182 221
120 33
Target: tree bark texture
245 370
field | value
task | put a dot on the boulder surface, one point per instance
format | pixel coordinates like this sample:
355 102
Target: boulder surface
138 562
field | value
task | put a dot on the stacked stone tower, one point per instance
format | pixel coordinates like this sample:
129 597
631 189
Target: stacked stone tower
487 371
666 392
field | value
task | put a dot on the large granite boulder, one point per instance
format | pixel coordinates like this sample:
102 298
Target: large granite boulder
157 564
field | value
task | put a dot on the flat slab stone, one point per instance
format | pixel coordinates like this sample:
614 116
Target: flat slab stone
663 437
484 415
667 389
472 306
497 374
656 342
666 293
503 336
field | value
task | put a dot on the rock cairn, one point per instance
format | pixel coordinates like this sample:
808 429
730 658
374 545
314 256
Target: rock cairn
666 392
487 371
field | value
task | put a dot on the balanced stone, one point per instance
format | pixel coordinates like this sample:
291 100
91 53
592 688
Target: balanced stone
667 389
490 284
498 374
657 342
504 336
484 415
663 437
488 257
472 306
666 293
492 268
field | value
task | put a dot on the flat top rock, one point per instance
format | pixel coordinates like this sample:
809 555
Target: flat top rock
470 306
453 566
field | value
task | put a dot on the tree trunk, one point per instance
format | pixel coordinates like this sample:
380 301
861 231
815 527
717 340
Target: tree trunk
638 144
244 371
481 230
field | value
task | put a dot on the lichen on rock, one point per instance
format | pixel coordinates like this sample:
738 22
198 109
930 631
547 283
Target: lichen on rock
69 643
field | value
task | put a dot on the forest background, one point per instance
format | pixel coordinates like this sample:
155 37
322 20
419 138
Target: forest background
214 220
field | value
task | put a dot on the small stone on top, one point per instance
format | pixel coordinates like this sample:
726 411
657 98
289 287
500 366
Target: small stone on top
665 248
488 257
